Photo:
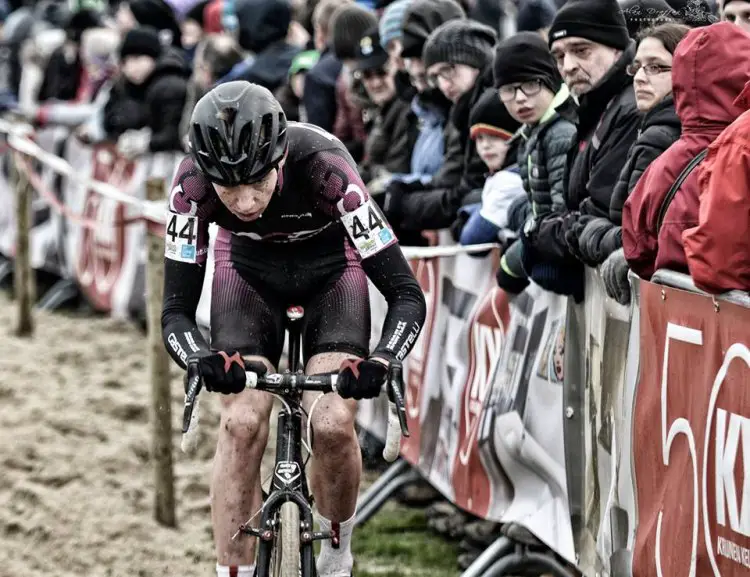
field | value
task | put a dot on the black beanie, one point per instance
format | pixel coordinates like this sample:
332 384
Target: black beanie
81 21
348 25
159 15
421 18
370 54
525 56
599 21
534 15
460 42
642 14
142 41
489 116
196 12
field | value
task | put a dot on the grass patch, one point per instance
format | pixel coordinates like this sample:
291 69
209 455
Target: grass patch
396 543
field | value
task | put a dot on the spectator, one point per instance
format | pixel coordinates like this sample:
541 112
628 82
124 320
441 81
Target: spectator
492 128
737 12
320 83
391 31
590 43
215 57
192 28
535 16
530 87
660 127
709 70
350 23
718 256
290 95
643 14
64 75
263 32
458 59
391 139
146 103
154 13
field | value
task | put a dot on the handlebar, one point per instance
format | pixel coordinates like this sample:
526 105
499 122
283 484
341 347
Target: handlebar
286 383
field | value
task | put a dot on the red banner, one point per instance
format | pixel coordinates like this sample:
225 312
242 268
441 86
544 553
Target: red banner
691 446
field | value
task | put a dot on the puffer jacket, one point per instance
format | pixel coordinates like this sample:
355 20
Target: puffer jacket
704 96
543 153
157 104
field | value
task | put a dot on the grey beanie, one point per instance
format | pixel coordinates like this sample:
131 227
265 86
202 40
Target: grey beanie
460 42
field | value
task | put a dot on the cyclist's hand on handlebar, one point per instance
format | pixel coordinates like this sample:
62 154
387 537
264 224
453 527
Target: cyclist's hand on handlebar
224 372
362 378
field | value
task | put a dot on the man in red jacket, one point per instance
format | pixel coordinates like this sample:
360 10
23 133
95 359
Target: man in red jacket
718 249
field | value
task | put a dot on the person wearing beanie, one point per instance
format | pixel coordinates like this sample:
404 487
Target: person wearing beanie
421 18
153 13
348 26
192 26
590 43
531 89
145 103
737 12
290 95
263 26
65 76
393 130
642 14
492 128
390 27
535 16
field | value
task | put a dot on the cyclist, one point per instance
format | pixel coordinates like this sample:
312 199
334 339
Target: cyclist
296 227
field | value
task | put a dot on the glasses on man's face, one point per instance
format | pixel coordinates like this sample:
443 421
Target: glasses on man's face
648 69
371 73
529 88
447 73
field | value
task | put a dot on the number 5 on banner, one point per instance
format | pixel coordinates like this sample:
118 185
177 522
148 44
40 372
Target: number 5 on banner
679 426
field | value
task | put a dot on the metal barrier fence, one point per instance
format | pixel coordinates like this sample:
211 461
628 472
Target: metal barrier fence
613 437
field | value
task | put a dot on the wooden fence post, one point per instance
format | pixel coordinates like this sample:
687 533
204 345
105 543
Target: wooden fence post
23 275
161 412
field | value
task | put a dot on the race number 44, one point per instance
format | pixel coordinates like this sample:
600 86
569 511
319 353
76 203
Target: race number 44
181 238
368 229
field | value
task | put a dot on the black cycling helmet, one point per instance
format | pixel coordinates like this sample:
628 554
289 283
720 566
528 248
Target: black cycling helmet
237 133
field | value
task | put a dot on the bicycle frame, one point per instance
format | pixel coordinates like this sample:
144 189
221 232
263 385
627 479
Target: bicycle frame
289 479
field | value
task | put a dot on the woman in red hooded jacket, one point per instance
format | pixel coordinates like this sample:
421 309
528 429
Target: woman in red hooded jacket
709 70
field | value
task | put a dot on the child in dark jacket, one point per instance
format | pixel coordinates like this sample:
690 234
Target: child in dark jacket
530 87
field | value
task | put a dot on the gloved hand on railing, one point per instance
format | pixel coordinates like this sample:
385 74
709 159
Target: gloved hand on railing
134 143
614 273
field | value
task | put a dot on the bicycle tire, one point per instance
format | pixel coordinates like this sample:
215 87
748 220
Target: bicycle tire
286 549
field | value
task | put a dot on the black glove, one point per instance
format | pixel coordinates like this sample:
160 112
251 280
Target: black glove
361 379
224 372
573 232
598 240
509 283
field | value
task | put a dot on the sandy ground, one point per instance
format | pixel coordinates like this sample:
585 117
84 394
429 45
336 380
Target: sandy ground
76 486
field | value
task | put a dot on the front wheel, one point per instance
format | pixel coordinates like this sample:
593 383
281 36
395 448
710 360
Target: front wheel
286 555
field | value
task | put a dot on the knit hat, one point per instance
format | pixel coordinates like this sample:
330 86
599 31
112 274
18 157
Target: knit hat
421 18
196 13
159 15
490 116
348 24
525 56
534 15
303 62
600 21
370 52
212 18
143 41
262 23
642 14
460 42
391 21
81 21
693 13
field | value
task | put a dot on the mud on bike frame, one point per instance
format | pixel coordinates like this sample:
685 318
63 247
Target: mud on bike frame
285 529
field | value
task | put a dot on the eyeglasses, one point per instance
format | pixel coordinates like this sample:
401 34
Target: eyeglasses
447 73
371 73
649 69
529 88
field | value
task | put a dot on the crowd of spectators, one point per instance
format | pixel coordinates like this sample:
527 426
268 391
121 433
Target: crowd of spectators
578 133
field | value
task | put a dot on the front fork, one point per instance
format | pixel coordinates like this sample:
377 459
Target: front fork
288 484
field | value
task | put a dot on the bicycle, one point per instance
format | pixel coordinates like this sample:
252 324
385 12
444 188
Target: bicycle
286 533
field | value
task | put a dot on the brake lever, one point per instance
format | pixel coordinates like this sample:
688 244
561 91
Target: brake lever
194 383
395 384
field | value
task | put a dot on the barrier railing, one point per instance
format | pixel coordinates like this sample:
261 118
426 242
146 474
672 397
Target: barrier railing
610 435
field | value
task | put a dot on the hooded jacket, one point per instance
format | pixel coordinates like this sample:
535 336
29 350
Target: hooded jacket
718 256
157 104
709 70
